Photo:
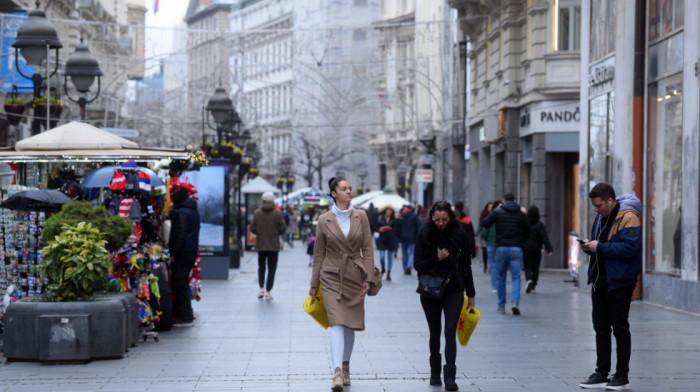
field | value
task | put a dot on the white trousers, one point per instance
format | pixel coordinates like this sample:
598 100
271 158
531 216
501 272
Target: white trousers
342 342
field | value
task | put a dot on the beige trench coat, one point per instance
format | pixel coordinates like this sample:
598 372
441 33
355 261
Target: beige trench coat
340 266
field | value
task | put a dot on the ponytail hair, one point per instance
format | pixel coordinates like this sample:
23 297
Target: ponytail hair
333 184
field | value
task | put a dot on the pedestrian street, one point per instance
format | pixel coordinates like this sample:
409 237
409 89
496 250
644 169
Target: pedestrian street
239 343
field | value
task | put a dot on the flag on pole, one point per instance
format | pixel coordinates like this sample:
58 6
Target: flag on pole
155 7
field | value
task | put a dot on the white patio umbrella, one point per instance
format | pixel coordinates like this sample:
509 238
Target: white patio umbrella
385 198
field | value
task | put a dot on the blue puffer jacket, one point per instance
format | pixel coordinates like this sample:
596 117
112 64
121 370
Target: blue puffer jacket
184 233
622 252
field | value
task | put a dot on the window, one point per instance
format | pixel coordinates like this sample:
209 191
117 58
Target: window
602 29
568 24
665 17
664 169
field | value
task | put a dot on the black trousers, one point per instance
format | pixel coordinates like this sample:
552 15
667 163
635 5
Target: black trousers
485 257
451 304
531 264
611 310
179 282
271 258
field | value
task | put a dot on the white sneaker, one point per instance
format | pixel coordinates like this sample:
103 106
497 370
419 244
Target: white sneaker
268 297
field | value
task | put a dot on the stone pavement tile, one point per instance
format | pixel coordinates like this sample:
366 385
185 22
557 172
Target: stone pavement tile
172 386
118 384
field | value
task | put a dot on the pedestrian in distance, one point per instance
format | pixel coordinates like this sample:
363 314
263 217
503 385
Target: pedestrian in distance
343 265
267 225
488 235
532 252
466 224
291 226
443 249
310 250
615 263
386 243
407 233
511 232
183 245
482 238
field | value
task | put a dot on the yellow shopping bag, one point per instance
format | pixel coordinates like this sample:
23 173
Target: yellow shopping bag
317 310
468 319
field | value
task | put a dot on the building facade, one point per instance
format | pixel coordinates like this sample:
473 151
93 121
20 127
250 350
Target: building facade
417 47
640 131
522 109
263 79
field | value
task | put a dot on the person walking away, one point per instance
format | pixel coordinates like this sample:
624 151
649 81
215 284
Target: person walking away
511 231
615 263
373 216
532 252
488 235
267 225
466 224
343 266
482 238
443 249
386 243
291 226
408 231
183 245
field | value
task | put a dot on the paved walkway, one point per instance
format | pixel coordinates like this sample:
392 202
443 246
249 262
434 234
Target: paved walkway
242 344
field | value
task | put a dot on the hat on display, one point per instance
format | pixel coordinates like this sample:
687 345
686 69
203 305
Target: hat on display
268 196
118 182
144 181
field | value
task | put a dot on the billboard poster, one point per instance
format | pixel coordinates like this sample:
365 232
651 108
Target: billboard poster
9 24
210 184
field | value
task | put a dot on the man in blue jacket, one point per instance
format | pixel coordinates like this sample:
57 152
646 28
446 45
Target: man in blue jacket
407 233
615 262
183 246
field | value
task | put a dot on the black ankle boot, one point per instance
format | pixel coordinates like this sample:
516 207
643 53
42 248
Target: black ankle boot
435 367
450 372
388 275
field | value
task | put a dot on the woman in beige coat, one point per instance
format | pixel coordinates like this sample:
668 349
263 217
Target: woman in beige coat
343 264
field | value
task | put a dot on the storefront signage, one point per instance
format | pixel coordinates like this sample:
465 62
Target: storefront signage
550 116
600 75
424 175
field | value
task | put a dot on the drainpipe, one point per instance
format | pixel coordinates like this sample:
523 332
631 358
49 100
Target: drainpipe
638 113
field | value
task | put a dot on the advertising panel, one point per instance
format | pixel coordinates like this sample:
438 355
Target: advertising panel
210 183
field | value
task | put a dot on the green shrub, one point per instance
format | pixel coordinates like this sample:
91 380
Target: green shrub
115 230
76 263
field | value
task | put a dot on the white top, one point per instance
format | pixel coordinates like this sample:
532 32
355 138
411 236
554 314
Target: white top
343 218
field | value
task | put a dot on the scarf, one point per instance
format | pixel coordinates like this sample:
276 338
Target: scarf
343 218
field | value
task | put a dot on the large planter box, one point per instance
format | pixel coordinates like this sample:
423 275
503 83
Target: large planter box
71 331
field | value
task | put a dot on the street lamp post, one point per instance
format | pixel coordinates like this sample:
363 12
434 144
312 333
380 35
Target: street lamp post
221 108
82 68
35 39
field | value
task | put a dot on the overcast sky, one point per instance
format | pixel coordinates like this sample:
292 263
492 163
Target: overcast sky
159 33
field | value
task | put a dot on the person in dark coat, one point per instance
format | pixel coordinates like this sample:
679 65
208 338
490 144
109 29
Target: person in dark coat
183 245
466 224
532 252
386 243
442 249
268 225
511 231
408 231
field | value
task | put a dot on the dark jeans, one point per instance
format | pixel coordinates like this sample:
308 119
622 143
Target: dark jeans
485 257
452 305
611 309
531 263
271 268
179 281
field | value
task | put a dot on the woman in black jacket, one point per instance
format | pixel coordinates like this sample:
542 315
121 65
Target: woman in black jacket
386 243
532 251
442 249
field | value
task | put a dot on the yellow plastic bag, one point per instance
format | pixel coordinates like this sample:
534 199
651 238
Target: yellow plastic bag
317 310
468 319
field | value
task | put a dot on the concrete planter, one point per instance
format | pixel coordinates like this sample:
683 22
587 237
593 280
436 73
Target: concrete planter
71 331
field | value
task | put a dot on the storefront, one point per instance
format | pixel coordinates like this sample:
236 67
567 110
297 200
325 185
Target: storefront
637 135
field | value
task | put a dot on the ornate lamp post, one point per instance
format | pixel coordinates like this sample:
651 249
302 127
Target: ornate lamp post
363 174
35 39
221 109
82 68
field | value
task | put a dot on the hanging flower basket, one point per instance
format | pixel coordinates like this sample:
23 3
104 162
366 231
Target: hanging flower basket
14 111
207 147
226 149
254 171
215 154
41 108
244 167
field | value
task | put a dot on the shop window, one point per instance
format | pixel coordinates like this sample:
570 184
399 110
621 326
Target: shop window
602 29
600 145
568 25
664 166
